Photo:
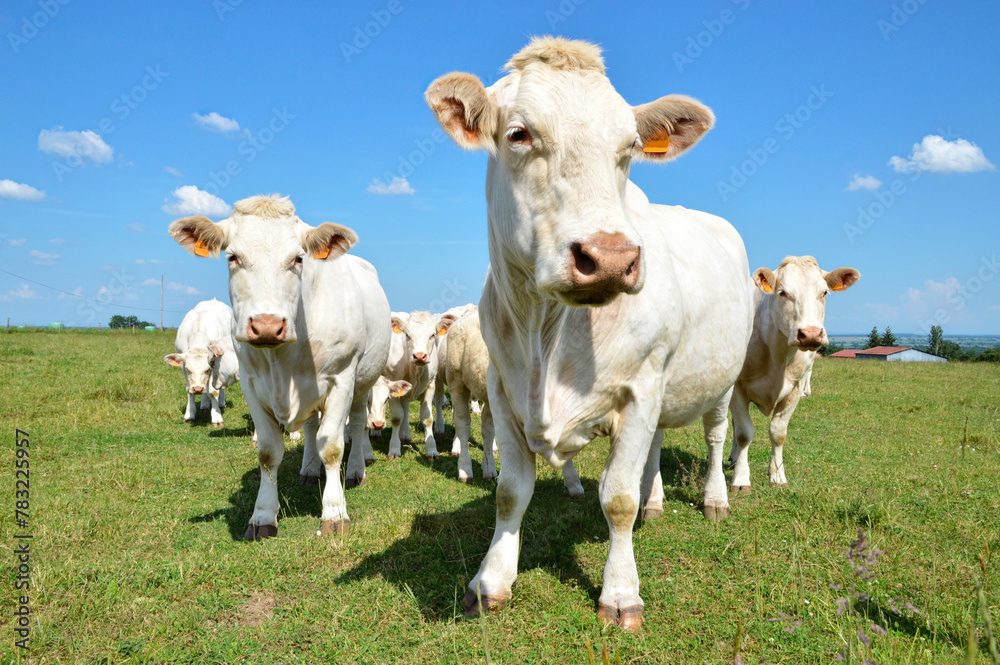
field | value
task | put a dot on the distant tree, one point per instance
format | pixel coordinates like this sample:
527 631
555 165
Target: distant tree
953 351
829 350
130 321
873 338
990 356
888 339
934 340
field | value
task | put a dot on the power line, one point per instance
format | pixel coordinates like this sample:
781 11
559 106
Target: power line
103 302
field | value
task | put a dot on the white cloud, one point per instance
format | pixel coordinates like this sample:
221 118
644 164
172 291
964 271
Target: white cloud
189 290
135 226
397 186
216 122
17 242
43 259
15 191
869 182
140 262
923 304
193 201
24 293
172 171
83 145
59 241
940 156
151 282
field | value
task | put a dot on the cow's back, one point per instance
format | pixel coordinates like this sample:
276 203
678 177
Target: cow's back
208 321
468 359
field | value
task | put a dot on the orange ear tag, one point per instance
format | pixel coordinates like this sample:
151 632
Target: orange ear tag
765 286
200 248
657 144
442 332
396 329
322 253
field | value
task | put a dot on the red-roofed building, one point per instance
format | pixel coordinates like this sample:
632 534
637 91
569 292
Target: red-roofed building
891 354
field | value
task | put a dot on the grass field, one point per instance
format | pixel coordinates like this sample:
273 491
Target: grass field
137 519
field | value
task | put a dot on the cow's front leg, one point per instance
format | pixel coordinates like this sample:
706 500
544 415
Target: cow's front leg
398 407
191 410
270 451
715 505
463 432
360 444
742 438
216 408
330 444
312 465
619 488
651 494
490 588
779 432
426 410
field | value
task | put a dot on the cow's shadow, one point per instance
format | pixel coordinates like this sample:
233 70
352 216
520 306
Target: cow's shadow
444 549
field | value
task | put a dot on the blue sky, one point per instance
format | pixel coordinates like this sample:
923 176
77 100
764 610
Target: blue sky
864 133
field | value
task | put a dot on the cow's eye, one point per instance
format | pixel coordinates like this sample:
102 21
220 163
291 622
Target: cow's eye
298 259
233 260
824 295
519 136
782 293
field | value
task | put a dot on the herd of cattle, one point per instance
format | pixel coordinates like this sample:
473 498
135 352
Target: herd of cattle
601 315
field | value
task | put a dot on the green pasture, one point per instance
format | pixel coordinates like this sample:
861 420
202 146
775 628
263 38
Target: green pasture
137 521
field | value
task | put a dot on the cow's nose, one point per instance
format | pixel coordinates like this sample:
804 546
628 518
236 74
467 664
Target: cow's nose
604 263
420 358
266 330
810 337
378 424
198 390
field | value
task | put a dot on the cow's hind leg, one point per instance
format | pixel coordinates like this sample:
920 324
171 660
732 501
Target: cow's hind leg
397 411
489 461
312 466
742 438
360 445
651 495
463 430
716 499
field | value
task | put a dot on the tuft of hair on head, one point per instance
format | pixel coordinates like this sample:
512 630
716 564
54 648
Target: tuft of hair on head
559 53
804 261
265 205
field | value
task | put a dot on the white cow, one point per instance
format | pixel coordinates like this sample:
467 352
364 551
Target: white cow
787 330
206 356
604 315
310 322
413 358
439 385
466 366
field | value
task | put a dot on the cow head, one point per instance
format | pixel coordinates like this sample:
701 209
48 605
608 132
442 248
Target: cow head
561 141
378 398
421 329
267 247
196 364
799 289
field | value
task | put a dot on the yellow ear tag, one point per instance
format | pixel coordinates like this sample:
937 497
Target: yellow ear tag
322 253
398 393
658 143
764 285
396 329
200 248
442 332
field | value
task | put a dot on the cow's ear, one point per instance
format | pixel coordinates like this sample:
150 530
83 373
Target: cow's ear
764 279
841 279
174 359
670 125
444 323
216 349
398 325
399 388
329 240
199 235
465 109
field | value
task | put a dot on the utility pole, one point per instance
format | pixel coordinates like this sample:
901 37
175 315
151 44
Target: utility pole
161 303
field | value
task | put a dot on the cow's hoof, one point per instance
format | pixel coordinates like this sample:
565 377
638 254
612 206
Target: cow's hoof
465 480
189 420
432 458
489 603
651 513
261 532
393 458
740 489
351 483
216 424
627 618
308 480
779 485
369 461
716 512
335 527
